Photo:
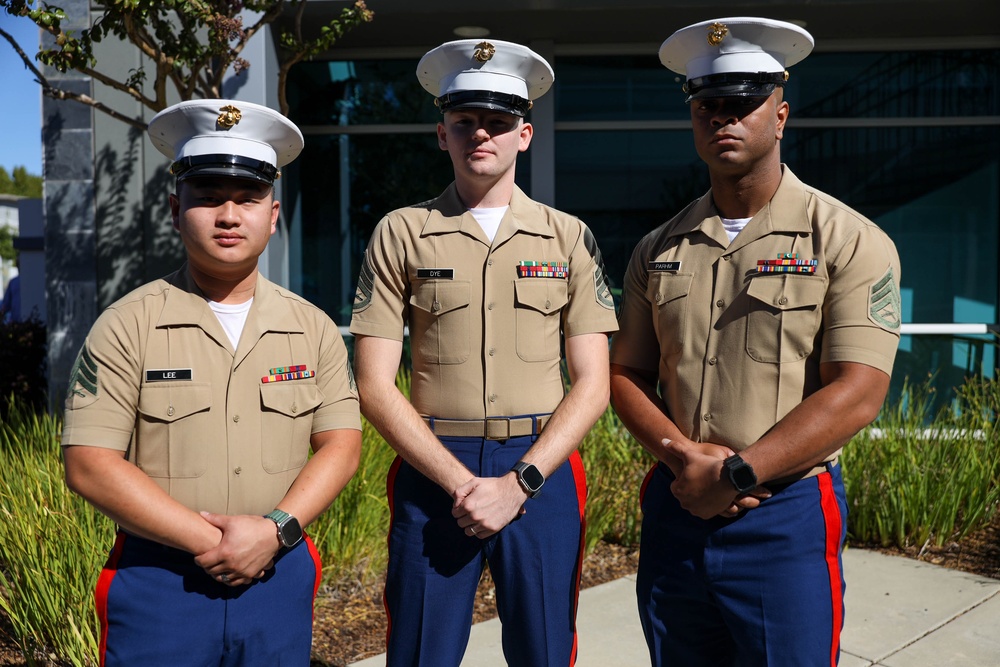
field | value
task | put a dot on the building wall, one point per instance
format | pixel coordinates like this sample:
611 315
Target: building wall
70 215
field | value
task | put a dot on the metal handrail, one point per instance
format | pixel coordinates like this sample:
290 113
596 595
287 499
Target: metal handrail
960 329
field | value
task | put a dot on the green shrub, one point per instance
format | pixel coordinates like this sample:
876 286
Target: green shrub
52 544
616 465
914 478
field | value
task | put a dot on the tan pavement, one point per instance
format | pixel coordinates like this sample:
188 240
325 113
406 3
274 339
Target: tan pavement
900 613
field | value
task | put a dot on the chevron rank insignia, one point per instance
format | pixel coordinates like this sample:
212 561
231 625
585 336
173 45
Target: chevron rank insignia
884 303
83 376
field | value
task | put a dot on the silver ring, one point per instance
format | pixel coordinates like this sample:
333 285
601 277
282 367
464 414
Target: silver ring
224 578
473 529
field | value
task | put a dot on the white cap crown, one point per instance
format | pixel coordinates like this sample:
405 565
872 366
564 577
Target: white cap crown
738 56
488 74
225 138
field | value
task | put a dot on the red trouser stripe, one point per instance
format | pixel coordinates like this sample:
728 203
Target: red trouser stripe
580 478
101 592
318 563
834 527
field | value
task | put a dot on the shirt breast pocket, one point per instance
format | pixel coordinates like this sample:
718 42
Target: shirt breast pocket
668 294
286 419
439 321
784 318
174 432
538 305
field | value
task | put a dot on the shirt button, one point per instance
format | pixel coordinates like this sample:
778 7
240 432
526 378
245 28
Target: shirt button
659 298
170 411
493 351
707 416
489 263
238 470
493 398
783 300
726 258
236 418
548 304
489 306
436 306
720 303
295 408
712 361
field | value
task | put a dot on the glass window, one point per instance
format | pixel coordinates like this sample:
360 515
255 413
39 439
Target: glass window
358 93
896 84
617 88
625 184
825 85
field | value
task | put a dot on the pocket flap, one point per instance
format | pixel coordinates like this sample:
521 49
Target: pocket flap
170 402
664 287
546 295
291 398
440 297
787 292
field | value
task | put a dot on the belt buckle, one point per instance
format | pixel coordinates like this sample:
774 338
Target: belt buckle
486 427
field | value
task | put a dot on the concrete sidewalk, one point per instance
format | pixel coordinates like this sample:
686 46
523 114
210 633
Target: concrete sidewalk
900 613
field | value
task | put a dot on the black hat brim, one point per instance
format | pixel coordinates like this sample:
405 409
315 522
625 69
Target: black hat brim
224 166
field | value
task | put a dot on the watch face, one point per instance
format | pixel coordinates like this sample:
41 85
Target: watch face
740 474
532 477
744 478
291 532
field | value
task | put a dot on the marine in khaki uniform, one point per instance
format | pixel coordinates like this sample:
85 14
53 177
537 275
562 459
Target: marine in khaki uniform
492 286
192 409
758 332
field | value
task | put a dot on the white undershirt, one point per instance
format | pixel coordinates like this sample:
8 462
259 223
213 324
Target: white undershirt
232 317
734 226
489 219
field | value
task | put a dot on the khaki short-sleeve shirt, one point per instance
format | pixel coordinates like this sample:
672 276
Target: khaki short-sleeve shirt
157 377
737 344
486 321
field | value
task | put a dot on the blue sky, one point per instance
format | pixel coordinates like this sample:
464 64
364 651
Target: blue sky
20 99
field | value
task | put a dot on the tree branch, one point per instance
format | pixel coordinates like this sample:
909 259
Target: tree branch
59 94
134 93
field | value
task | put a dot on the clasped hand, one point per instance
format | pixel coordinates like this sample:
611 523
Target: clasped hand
484 505
245 552
699 483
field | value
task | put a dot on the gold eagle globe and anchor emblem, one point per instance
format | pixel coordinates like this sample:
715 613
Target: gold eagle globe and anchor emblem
716 33
484 51
229 117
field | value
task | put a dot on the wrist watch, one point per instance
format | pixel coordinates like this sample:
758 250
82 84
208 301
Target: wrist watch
530 478
289 530
740 473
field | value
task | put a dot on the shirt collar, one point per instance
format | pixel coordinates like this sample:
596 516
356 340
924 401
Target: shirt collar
786 212
448 215
186 305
